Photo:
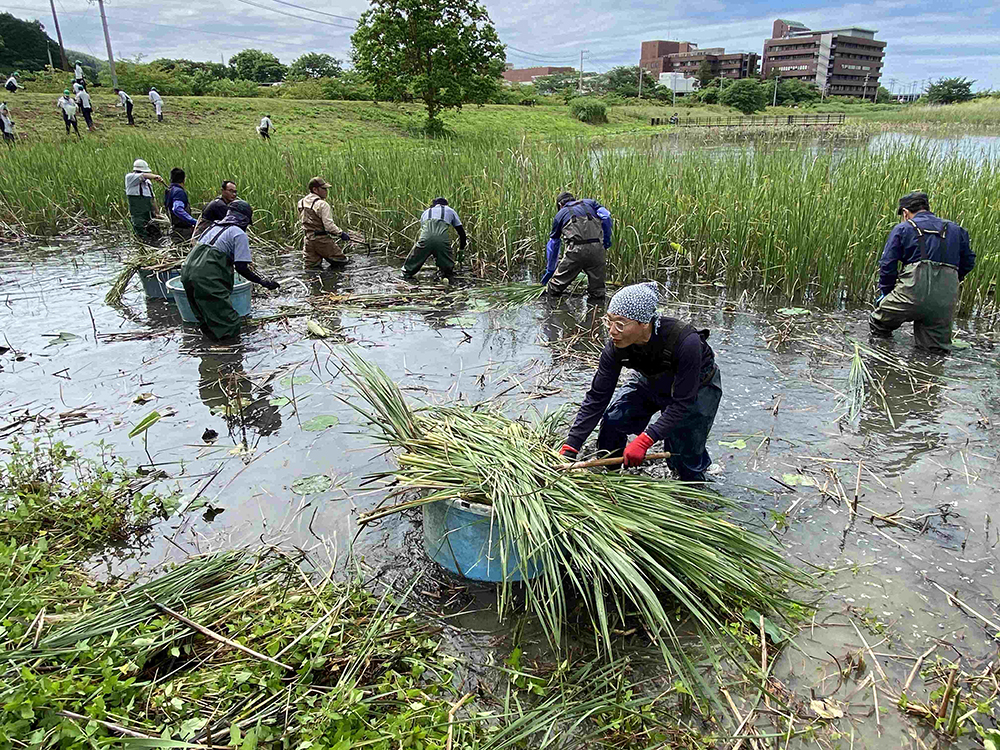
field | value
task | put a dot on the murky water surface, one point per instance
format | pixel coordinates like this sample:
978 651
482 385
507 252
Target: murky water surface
928 445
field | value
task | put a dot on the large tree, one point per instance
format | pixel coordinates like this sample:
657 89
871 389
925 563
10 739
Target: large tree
443 52
254 65
704 74
747 95
315 65
624 81
950 90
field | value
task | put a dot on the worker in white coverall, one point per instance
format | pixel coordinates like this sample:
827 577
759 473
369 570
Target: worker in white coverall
157 101
67 105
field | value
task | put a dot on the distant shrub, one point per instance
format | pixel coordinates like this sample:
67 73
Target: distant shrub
237 88
587 109
709 96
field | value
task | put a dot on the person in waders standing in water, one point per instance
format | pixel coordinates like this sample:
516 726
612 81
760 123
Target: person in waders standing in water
319 229
178 207
585 226
67 105
434 225
207 273
141 206
935 255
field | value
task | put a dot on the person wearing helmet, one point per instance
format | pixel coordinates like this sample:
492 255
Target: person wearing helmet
141 205
12 85
86 107
207 273
265 127
78 72
157 101
76 87
124 100
67 105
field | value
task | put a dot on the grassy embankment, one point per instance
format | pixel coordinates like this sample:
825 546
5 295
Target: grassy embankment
786 220
306 660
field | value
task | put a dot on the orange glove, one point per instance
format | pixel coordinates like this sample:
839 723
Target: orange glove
635 452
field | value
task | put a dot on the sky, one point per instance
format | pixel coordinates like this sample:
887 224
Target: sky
924 40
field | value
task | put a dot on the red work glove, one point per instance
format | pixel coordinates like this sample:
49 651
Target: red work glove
635 452
569 451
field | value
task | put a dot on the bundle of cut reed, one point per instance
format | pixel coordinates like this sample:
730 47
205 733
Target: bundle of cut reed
621 542
149 259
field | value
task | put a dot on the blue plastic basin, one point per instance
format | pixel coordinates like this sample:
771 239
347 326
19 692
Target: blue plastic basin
239 299
467 538
154 283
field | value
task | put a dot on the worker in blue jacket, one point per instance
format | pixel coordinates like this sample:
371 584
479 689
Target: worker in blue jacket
935 255
585 226
178 207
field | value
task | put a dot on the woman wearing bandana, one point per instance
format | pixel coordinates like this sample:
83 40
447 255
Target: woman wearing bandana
676 375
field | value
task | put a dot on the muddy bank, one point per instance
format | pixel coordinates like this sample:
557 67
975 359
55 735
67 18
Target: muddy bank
926 440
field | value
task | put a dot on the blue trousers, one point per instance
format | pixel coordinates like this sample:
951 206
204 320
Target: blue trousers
640 399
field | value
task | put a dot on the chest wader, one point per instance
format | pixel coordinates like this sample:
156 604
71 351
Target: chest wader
207 276
140 210
926 293
651 391
584 240
318 243
434 238
180 231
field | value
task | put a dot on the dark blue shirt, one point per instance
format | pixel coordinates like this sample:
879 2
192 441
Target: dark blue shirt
902 247
584 207
176 202
678 373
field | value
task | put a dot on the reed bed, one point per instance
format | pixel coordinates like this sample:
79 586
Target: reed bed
624 544
792 220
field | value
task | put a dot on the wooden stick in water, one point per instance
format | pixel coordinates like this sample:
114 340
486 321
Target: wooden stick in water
604 462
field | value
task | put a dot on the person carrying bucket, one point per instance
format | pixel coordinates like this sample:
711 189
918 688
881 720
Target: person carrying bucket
141 205
207 273
67 105
434 225
676 376
935 255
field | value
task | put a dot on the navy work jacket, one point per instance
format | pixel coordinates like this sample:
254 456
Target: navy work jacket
902 247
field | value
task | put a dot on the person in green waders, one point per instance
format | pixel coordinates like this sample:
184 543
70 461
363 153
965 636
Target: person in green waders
141 206
207 274
434 224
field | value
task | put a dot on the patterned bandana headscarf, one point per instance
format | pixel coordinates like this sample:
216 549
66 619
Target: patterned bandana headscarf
637 302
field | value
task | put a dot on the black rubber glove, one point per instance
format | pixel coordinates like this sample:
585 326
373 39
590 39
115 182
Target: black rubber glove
345 237
243 269
271 284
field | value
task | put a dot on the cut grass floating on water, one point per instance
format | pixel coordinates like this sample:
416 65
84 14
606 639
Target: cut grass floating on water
619 541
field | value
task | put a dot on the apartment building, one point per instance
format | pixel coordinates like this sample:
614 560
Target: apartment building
659 57
841 62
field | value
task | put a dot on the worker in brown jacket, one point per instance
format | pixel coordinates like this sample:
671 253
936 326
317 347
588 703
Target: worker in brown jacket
319 228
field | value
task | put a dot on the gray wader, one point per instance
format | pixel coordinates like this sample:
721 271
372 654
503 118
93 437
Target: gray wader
584 240
926 293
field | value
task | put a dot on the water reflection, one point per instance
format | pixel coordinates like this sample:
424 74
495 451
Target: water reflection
229 392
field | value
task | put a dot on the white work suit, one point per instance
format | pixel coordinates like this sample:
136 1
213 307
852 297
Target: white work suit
157 101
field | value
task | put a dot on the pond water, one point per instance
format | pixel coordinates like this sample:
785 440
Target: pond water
927 443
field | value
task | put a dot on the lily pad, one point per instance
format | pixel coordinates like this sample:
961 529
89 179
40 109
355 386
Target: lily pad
63 337
462 321
289 381
279 401
797 480
792 311
312 485
320 423
738 444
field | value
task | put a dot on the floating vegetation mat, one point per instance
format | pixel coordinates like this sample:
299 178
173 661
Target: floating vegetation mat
148 259
627 545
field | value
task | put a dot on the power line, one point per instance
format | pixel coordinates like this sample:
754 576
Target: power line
320 12
292 15
525 53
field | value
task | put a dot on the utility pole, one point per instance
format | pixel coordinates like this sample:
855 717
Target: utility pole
864 91
107 41
580 86
640 78
62 50
774 101
673 86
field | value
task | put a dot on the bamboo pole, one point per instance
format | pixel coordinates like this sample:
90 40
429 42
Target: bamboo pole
604 462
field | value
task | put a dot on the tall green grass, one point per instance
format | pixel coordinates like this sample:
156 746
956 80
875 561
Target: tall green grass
803 222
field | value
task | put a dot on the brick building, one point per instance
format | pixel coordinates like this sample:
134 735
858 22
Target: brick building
660 57
527 75
843 62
